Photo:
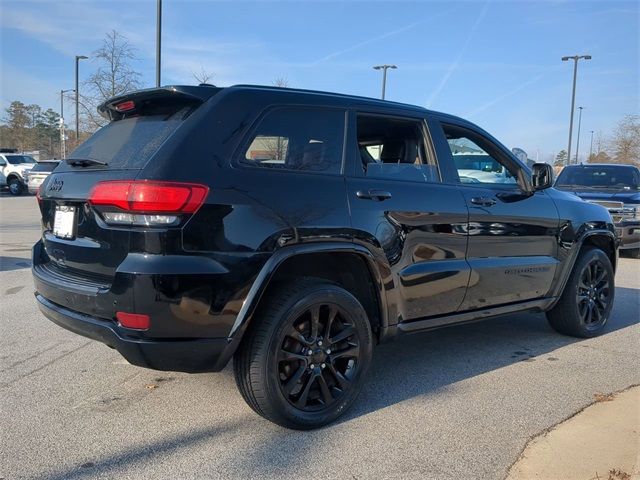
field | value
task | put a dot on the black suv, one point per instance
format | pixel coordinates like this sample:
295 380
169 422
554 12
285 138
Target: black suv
616 187
293 230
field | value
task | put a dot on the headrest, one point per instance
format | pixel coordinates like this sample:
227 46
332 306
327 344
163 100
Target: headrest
312 155
393 152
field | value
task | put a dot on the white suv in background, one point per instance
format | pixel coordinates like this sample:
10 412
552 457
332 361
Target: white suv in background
14 167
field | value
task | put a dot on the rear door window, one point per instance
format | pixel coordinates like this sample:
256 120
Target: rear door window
392 148
299 139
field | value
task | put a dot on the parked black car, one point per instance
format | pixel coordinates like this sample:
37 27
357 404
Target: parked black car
293 230
614 186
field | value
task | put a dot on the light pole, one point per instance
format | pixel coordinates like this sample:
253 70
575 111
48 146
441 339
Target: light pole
575 59
158 39
384 69
578 139
78 58
591 147
63 152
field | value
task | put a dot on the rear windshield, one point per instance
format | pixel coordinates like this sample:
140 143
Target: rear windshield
611 177
130 142
44 167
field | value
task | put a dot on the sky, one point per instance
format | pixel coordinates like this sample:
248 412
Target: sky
495 63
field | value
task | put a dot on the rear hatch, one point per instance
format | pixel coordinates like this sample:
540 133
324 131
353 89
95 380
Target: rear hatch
87 204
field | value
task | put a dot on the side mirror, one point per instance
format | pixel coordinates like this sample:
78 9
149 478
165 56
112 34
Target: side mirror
541 176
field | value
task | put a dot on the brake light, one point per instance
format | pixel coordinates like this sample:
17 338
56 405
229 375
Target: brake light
145 202
149 197
125 106
133 320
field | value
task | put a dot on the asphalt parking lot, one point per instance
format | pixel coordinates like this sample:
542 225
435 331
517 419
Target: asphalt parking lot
459 403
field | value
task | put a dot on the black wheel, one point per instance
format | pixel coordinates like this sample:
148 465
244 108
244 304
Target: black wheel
15 186
585 304
304 358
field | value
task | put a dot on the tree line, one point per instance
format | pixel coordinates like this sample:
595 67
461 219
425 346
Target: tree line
621 146
29 127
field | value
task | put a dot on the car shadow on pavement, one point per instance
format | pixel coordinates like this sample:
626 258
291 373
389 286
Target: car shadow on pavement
412 366
426 362
13 263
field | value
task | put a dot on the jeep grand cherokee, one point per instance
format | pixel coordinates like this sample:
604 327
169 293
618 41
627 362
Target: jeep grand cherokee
293 230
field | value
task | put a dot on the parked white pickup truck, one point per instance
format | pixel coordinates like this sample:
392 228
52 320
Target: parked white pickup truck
14 167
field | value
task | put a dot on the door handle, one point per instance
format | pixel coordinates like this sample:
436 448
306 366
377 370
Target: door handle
373 195
483 201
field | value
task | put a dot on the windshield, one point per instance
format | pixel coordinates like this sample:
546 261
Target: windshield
593 177
19 159
483 163
44 167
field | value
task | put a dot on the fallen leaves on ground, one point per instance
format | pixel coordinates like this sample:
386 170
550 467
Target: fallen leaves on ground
603 397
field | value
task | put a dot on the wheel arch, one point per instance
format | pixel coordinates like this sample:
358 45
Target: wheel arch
15 175
322 261
605 241
602 239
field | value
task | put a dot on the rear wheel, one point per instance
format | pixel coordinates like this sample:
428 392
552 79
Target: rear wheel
585 304
15 186
304 359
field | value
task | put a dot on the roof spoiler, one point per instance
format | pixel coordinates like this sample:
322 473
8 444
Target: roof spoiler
116 107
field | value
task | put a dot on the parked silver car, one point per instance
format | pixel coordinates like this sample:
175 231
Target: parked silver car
38 173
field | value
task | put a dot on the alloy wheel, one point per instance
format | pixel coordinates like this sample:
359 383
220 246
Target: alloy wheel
593 294
318 357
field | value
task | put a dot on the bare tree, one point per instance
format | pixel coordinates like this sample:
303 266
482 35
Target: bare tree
281 82
625 141
114 76
203 76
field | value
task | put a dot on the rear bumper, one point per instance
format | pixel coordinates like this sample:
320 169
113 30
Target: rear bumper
189 299
192 356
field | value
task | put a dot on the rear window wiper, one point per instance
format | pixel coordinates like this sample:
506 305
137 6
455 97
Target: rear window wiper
85 162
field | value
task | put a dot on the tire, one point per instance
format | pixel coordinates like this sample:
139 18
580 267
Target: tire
584 307
15 186
275 372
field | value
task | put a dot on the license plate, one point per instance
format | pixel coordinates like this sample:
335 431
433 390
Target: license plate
64 221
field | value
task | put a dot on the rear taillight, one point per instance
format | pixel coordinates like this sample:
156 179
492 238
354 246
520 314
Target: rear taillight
145 202
39 194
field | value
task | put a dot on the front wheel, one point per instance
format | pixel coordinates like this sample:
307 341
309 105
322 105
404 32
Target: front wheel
584 307
15 186
305 356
